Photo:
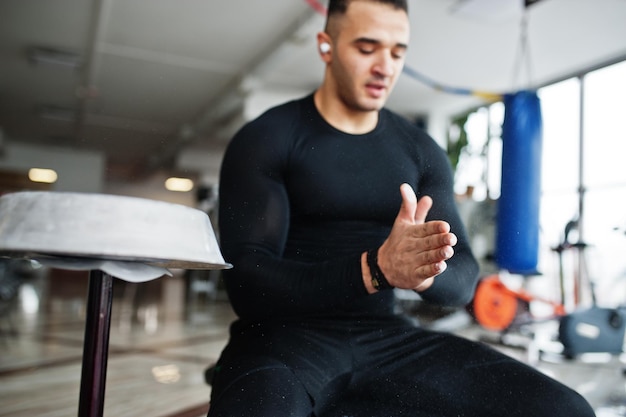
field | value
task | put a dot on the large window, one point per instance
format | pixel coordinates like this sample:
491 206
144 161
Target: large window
586 116
560 176
604 176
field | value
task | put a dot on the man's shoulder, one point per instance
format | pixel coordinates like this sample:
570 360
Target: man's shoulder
411 135
406 125
274 126
286 110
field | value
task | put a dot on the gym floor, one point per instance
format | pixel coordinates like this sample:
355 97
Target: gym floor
163 336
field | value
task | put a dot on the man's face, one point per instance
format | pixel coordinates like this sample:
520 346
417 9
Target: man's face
369 45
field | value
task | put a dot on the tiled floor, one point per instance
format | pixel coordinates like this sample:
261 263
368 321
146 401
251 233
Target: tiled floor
159 351
156 360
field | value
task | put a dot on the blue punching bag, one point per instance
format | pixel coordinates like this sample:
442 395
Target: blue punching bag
517 236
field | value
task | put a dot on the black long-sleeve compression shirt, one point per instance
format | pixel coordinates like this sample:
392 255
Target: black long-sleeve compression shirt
300 201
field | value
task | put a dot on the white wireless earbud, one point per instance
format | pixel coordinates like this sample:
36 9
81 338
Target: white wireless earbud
324 47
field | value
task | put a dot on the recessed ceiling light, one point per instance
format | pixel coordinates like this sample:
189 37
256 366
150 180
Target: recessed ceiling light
52 56
179 184
48 176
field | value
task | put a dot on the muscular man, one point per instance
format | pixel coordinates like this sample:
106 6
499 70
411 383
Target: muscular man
327 204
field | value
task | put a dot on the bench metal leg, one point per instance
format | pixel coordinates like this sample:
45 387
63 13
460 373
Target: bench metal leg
96 345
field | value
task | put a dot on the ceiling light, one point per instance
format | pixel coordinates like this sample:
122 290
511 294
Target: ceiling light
179 184
51 56
44 175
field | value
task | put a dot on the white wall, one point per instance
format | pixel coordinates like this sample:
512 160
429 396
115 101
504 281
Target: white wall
152 188
78 170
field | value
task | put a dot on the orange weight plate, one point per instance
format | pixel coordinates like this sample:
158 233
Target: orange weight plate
494 305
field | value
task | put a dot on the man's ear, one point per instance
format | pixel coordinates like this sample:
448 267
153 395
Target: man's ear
324 45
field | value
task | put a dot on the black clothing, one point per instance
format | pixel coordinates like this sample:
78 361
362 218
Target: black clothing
379 366
299 202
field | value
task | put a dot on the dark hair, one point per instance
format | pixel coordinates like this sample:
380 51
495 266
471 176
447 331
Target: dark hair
340 6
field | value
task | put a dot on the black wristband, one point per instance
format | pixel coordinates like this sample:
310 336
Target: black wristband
379 281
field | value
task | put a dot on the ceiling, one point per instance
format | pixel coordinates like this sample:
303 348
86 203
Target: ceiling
163 84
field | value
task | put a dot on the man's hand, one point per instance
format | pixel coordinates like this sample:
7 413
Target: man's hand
415 251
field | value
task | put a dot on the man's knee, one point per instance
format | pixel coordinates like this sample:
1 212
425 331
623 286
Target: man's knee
270 390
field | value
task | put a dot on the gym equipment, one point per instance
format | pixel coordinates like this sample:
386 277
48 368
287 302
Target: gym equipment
112 236
594 329
517 237
497 307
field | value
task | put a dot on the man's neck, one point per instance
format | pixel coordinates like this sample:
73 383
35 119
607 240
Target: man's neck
341 117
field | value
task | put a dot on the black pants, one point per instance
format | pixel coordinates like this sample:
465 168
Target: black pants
376 367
